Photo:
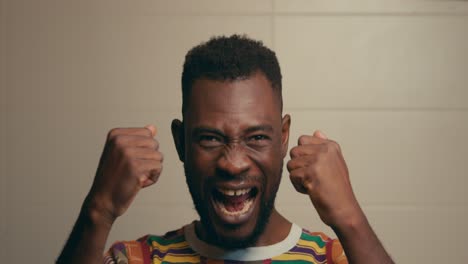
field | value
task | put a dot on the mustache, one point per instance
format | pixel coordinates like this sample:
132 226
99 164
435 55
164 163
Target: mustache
245 176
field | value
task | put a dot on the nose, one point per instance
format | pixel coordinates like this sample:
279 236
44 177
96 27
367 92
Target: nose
234 161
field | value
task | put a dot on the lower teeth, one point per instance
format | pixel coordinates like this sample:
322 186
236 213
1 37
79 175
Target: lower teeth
245 208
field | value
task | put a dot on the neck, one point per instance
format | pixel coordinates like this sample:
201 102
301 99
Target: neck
276 230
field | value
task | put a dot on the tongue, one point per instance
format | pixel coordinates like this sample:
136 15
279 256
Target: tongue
235 203
234 207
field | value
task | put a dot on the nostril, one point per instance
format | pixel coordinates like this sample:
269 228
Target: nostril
229 173
233 161
233 166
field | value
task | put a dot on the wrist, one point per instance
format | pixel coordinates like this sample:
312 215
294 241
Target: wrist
350 223
96 214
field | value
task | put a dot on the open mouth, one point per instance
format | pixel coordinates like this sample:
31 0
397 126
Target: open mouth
234 203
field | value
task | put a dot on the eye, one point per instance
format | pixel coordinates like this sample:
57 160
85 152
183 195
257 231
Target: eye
210 141
258 137
259 140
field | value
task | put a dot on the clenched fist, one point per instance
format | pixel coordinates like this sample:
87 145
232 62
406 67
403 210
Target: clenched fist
317 168
130 161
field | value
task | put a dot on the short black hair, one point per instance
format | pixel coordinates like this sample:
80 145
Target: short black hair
228 59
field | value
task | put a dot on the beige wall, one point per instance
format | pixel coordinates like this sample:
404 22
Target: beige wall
386 79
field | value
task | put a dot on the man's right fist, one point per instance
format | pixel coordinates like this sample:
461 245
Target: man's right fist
130 161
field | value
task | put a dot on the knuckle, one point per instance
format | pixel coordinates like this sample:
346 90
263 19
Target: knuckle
117 141
289 165
298 184
302 139
155 172
296 175
295 151
294 178
159 156
147 143
324 148
155 144
113 132
333 146
336 145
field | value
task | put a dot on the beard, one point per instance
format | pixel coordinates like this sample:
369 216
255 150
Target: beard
201 206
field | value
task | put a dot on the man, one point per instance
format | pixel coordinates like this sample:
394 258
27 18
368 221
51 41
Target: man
232 141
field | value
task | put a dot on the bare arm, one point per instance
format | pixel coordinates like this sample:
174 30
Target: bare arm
360 242
87 239
317 168
130 161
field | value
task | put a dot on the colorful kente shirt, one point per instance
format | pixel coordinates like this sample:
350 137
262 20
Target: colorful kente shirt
183 246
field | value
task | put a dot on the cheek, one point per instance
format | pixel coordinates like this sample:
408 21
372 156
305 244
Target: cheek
270 164
201 168
203 161
200 160
269 158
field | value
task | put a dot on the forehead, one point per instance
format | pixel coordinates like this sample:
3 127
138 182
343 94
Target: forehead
234 104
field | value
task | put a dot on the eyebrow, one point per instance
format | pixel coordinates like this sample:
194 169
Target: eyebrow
266 128
206 129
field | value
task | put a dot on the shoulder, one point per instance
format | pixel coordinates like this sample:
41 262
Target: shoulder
142 249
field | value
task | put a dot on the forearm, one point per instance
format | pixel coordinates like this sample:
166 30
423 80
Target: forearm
360 242
87 239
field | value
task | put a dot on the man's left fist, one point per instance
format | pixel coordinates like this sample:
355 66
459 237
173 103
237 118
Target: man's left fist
317 168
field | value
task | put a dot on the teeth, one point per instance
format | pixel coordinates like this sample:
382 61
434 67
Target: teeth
230 192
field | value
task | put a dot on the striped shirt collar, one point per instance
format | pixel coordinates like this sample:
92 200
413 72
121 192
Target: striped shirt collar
245 254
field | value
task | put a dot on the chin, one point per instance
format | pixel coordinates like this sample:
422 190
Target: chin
243 233
233 214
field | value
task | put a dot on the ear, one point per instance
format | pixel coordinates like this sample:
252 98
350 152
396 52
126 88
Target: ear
285 124
177 128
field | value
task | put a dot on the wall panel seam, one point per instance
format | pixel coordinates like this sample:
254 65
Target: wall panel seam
377 109
369 14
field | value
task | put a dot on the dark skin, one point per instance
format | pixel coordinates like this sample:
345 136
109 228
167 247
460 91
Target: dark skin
233 136
130 161
234 144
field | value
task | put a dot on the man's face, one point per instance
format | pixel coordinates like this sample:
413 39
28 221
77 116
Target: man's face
235 142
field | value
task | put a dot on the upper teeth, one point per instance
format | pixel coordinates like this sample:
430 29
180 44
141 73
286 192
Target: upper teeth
229 192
